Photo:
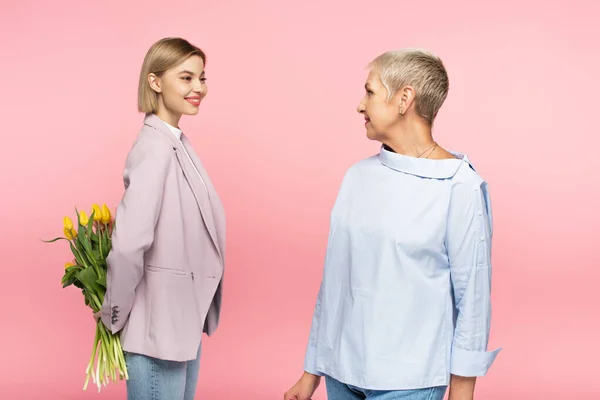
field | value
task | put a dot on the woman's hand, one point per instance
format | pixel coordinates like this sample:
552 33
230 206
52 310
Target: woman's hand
97 316
304 388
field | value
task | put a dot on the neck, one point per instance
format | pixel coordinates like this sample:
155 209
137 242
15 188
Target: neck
411 139
168 116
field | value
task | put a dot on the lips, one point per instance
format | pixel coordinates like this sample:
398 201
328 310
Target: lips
367 120
194 100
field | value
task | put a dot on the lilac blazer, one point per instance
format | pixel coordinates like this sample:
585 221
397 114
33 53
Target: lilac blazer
165 269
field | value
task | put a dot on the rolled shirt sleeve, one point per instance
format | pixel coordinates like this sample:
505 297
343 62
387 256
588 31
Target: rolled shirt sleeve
469 240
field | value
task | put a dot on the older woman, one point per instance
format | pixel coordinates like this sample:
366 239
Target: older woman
403 310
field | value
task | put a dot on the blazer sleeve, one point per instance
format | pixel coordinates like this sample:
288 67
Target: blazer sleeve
135 221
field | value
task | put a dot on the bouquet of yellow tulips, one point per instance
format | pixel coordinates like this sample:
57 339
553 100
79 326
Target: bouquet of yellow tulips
90 243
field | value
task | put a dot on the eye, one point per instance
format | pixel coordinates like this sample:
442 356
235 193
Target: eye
186 78
203 79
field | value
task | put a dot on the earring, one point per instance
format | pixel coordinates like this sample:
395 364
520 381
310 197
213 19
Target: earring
401 112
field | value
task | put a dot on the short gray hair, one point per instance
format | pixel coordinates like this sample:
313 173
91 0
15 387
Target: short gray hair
420 69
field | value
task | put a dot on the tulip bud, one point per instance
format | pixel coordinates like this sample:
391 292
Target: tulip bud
97 212
83 218
106 217
68 224
70 233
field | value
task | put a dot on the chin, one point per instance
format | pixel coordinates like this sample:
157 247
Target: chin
371 134
193 111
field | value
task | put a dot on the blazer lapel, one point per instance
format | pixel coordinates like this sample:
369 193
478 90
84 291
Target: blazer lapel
213 197
191 176
194 181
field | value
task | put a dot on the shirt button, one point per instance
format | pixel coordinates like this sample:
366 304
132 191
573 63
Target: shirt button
482 238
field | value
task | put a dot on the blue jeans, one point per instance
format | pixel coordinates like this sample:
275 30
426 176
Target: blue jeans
154 379
337 390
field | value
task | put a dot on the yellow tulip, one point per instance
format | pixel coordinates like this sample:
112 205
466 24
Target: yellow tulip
83 218
97 212
68 224
69 264
70 233
105 214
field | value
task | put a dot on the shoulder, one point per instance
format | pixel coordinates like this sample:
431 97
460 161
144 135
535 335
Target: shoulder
469 189
150 146
151 141
353 174
363 166
357 171
467 177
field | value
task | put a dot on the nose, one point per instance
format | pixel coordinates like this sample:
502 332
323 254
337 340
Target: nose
199 87
361 107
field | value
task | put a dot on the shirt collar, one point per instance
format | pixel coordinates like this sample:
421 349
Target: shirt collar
176 131
423 167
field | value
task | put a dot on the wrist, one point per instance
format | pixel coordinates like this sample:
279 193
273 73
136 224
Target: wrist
461 388
312 377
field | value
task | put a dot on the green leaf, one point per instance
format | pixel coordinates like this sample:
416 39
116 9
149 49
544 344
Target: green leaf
87 251
102 281
76 254
88 277
70 276
77 212
85 297
107 242
94 238
69 282
54 240
91 223
83 239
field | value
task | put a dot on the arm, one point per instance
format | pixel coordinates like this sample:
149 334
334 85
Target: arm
136 219
310 380
461 388
469 253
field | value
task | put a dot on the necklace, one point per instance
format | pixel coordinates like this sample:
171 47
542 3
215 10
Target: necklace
432 148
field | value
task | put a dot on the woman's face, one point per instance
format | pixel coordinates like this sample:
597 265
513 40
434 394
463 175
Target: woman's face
181 88
380 114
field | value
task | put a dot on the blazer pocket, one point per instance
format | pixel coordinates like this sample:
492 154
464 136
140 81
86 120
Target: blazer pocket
155 268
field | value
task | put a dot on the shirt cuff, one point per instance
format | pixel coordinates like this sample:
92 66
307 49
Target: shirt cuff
310 361
471 363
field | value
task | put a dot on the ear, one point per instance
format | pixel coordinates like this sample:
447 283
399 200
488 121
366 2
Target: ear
404 98
154 82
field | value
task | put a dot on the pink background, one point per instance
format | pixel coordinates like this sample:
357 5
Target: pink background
277 132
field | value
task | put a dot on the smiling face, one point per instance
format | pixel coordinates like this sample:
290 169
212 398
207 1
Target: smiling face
381 115
181 89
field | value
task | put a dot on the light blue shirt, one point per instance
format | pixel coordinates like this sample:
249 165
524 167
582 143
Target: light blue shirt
405 295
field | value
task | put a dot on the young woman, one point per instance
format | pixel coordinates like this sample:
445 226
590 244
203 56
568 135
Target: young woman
404 305
166 264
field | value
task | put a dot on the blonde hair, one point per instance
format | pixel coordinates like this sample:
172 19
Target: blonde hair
420 69
163 55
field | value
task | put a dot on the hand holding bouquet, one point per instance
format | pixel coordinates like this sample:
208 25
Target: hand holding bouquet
90 243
